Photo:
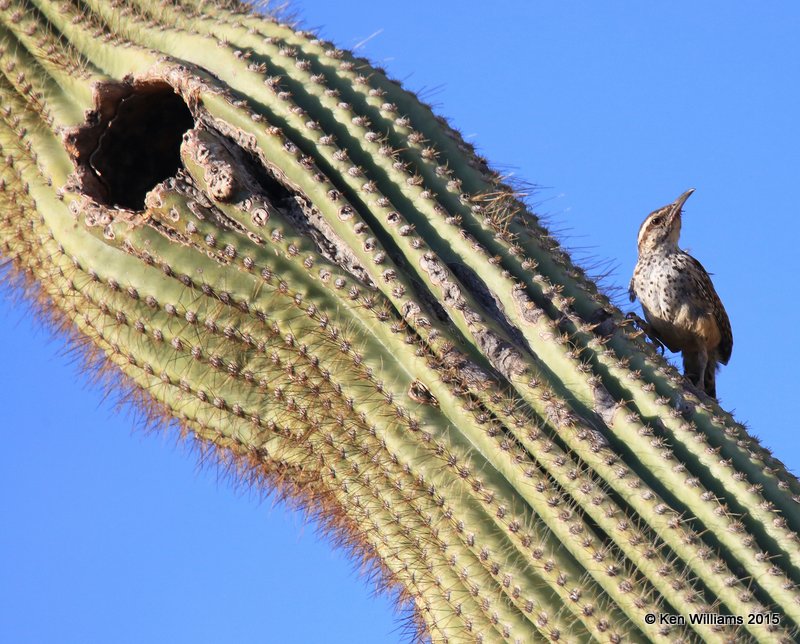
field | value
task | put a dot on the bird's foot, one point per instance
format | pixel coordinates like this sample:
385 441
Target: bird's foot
645 327
698 389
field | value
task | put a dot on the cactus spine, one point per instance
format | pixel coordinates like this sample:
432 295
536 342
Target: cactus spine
292 256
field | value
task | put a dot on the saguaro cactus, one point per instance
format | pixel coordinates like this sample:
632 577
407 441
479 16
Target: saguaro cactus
292 256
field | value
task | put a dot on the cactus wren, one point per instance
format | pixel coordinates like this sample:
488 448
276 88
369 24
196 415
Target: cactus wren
682 309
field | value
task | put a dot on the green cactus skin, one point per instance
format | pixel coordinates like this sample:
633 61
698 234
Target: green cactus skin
293 257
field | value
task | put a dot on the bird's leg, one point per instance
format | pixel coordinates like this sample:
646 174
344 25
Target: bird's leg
645 327
694 366
710 377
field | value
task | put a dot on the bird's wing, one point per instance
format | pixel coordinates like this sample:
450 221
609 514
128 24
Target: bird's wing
631 292
706 289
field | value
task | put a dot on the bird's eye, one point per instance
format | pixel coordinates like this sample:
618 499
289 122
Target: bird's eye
657 221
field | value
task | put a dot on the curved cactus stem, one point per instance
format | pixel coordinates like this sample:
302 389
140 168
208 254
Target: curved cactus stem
316 276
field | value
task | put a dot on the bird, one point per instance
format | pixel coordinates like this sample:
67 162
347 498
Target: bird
681 306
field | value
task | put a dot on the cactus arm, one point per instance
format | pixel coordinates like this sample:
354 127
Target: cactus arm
631 432
426 364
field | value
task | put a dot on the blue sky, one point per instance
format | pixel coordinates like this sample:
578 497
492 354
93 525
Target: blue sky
614 109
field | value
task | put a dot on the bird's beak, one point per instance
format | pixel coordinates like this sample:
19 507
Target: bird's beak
677 205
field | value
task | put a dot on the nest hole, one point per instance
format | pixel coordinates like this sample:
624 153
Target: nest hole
131 142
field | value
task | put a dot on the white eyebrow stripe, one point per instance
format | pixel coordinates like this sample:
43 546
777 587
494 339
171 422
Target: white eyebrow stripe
645 225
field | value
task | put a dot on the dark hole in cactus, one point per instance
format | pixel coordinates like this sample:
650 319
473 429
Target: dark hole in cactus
141 145
130 142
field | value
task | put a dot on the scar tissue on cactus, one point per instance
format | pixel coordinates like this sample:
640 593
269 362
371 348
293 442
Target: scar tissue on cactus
291 256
